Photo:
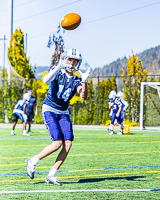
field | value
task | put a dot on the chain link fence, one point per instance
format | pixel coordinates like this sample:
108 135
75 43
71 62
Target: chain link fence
94 110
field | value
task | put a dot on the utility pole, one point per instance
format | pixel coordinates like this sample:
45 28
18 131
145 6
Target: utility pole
25 64
3 76
98 98
10 19
26 45
10 34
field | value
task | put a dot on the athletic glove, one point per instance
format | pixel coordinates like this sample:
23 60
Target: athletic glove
85 75
63 62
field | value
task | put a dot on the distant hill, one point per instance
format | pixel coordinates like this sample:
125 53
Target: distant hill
148 58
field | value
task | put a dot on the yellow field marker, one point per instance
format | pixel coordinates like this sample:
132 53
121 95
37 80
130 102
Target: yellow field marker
92 154
90 143
84 176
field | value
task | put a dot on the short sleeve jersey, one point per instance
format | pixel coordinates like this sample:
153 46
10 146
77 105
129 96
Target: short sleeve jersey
123 105
115 106
30 105
61 90
20 104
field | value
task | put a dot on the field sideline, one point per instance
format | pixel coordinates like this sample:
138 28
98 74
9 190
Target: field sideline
98 166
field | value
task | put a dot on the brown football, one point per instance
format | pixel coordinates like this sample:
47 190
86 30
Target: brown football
71 21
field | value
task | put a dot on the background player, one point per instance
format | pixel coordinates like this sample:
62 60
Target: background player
112 96
63 84
115 106
19 112
30 110
120 97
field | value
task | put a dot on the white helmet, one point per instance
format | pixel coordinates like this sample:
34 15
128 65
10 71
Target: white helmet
120 95
72 53
26 96
112 95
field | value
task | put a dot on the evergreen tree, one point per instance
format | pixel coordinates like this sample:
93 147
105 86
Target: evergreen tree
104 89
90 90
135 75
152 90
13 90
17 56
113 82
39 91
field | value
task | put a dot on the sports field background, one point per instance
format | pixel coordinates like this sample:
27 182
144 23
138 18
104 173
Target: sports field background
98 166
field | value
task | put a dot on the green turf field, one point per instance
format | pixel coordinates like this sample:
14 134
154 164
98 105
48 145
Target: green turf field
98 166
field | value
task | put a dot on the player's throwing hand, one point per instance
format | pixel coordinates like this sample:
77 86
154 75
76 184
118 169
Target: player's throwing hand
85 75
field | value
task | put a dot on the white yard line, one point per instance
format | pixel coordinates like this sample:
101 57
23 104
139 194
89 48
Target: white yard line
82 127
88 190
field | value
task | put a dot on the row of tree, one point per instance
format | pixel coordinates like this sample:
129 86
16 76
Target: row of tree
93 111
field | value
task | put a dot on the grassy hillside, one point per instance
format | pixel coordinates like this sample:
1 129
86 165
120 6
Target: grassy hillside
148 58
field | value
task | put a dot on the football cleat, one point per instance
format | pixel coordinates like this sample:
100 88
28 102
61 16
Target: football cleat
13 133
111 133
25 133
29 132
109 130
120 133
30 168
52 179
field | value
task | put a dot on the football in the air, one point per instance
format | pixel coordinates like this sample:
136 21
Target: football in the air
71 21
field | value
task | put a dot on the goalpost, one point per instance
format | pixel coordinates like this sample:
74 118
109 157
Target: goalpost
154 85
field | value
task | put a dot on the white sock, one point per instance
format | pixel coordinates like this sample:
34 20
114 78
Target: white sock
52 172
35 160
24 132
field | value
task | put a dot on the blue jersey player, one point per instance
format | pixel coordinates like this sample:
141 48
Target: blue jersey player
30 110
112 96
115 106
19 112
120 97
63 84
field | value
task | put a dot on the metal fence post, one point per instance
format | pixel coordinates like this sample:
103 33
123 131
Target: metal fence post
98 102
3 81
130 98
3 99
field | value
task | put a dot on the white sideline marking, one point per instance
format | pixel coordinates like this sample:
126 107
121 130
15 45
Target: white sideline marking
92 190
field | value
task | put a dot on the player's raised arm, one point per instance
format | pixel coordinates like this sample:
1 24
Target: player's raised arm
55 69
83 90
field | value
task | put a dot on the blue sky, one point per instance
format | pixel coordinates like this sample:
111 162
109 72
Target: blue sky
110 29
